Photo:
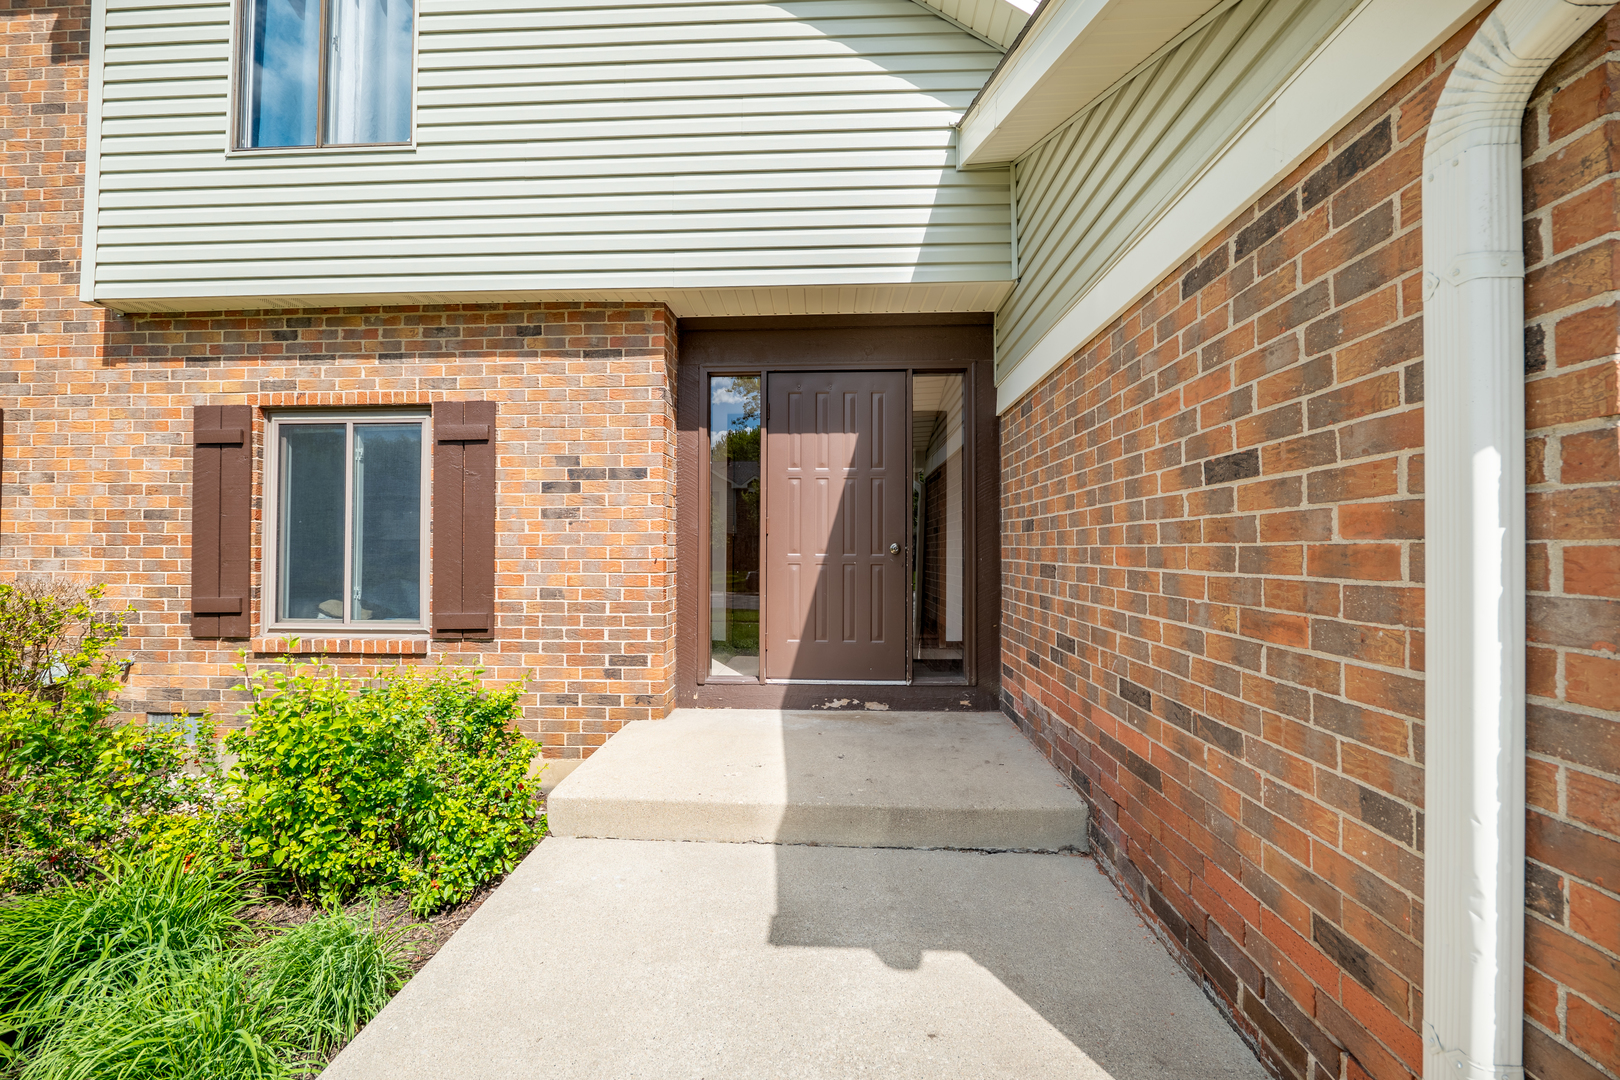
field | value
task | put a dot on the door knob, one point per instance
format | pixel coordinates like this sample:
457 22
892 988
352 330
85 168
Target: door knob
894 549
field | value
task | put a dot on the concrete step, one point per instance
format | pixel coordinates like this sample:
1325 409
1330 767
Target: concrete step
870 779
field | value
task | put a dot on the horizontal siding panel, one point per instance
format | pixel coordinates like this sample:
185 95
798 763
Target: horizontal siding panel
792 37
661 94
590 145
1086 192
586 133
769 222
544 160
744 187
943 243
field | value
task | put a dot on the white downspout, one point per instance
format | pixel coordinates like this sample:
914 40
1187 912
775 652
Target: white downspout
1473 344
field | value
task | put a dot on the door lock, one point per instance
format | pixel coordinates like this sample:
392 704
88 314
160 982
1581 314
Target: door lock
894 549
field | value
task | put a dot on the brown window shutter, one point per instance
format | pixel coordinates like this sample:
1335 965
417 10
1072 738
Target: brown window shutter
221 520
464 519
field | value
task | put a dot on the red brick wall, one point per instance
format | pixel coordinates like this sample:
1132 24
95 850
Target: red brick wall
95 481
1213 601
1572 936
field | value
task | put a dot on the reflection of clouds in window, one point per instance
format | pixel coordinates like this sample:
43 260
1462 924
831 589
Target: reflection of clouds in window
368 91
733 405
284 80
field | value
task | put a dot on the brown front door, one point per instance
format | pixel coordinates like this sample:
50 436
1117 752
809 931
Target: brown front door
835 526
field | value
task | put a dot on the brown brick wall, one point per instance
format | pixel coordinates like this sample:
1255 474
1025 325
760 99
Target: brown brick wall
97 450
1572 240
1213 601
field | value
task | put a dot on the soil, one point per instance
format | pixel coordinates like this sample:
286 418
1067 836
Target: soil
424 936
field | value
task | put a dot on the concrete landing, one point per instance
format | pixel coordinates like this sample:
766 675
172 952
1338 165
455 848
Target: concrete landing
614 958
872 779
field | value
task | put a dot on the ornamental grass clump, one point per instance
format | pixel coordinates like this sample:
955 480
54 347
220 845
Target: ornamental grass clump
65 950
150 971
325 979
413 781
178 1021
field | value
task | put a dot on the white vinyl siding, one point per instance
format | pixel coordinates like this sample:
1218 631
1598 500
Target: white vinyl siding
590 147
1095 185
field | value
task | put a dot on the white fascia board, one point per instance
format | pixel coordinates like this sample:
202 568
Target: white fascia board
873 298
1378 43
1073 52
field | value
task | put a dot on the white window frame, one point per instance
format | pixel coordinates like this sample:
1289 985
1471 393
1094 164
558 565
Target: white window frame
240 40
271 551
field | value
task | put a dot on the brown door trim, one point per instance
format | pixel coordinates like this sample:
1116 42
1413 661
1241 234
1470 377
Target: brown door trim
915 344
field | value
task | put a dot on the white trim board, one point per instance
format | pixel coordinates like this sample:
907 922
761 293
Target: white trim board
1071 54
763 299
92 152
1377 44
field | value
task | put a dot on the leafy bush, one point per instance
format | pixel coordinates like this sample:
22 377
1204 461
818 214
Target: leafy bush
322 981
52 633
65 949
72 783
412 780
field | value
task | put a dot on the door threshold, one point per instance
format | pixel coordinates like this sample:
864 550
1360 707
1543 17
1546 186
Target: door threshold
836 682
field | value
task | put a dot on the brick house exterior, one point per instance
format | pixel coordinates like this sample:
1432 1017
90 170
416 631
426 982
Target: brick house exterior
1213 602
97 453
1211 524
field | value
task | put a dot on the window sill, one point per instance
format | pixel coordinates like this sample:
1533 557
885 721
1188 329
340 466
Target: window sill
339 148
289 645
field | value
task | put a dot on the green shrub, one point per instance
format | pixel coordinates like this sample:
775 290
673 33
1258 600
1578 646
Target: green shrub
74 785
325 979
74 945
411 780
181 1022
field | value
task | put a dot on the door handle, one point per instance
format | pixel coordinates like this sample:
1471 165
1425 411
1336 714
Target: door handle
894 549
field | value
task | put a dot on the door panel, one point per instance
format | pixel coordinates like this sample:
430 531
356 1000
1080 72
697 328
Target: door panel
835 499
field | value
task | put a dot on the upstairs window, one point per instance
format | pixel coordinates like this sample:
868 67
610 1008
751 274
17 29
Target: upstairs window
325 73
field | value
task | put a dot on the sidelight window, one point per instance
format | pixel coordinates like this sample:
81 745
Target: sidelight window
734 525
348 523
325 73
938 587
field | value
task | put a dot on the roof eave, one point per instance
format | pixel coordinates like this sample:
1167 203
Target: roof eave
1070 53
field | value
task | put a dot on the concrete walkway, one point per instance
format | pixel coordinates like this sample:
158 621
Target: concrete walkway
611 958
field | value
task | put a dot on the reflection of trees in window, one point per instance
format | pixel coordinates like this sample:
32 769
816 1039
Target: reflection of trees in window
734 524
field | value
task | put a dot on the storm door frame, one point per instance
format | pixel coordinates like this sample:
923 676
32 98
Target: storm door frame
914 345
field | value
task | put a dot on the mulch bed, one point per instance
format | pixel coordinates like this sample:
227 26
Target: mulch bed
423 936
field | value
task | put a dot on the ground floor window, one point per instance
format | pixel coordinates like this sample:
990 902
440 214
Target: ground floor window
347 519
